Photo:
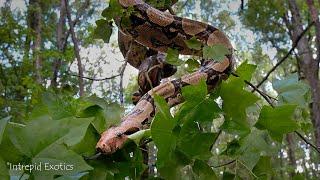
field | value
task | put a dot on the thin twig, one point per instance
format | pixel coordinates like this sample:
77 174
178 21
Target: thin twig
22 175
93 157
307 142
225 164
216 138
123 68
96 79
264 95
294 45
121 81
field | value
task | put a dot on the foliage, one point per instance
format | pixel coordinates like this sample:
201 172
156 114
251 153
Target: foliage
68 130
230 133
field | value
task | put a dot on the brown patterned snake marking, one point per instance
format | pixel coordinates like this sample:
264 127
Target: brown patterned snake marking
159 31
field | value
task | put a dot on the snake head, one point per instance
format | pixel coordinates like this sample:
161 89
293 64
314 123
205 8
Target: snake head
114 138
111 140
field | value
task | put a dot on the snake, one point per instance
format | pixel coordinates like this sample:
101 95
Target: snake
150 63
156 30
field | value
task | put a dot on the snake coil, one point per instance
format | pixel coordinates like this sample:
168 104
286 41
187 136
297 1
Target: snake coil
150 34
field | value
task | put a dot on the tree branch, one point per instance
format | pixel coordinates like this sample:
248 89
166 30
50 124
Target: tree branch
307 142
96 79
225 164
78 16
294 45
315 18
76 49
121 80
123 67
264 95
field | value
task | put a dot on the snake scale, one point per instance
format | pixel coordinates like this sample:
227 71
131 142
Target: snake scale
150 34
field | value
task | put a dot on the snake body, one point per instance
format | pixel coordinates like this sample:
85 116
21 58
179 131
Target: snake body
150 63
157 31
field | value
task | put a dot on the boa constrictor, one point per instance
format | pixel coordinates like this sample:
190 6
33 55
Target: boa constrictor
158 31
150 63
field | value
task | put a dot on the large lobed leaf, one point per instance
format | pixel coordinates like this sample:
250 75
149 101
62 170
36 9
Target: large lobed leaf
236 100
277 121
292 91
161 130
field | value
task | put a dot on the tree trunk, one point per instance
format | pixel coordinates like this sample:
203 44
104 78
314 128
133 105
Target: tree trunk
60 42
308 65
35 25
315 19
292 158
76 50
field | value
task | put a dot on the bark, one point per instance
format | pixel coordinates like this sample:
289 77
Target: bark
60 42
315 19
76 50
63 35
308 65
35 18
281 164
291 155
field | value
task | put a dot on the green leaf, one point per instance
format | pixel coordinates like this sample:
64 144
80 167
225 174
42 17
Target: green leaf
56 106
196 110
172 169
235 109
192 64
245 71
263 169
298 176
137 136
87 146
197 106
4 172
201 144
103 30
8 151
203 171
252 146
232 148
278 121
292 91
74 177
48 132
215 52
235 102
105 114
173 57
228 176
77 133
3 124
161 130
113 10
193 43
57 154
159 4
195 93
204 111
